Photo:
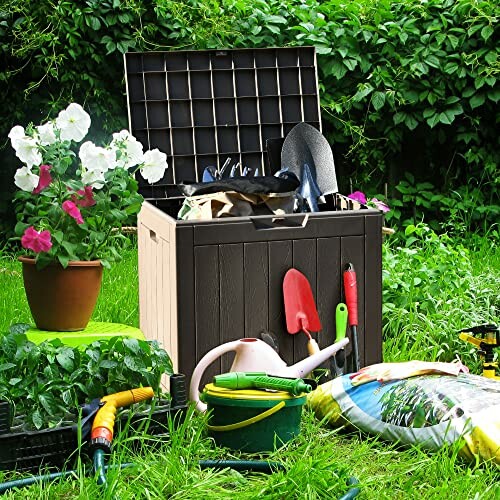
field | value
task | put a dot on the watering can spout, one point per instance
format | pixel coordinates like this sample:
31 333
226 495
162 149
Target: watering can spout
307 365
254 355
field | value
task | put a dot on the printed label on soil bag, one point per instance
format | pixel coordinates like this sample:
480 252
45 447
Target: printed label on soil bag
430 410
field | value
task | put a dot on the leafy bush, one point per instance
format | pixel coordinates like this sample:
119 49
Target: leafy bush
405 86
430 292
46 382
462 210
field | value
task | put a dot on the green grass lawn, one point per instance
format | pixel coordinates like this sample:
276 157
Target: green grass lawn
420 322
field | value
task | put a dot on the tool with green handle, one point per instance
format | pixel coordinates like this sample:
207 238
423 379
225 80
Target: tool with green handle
258 380
338 360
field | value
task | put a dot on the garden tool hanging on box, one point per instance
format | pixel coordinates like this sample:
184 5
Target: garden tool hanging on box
338 362
300 309
351 299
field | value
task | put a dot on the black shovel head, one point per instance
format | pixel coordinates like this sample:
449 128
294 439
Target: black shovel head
307 145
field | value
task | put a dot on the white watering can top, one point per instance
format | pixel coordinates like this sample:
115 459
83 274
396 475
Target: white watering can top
254 355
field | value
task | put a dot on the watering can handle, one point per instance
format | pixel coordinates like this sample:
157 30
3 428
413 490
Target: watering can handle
204 363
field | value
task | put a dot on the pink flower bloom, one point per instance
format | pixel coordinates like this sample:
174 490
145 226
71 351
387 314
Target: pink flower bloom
358 196
38 242
45 178
72 210
380 205
86 197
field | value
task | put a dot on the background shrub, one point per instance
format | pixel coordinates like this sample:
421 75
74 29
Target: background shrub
406 86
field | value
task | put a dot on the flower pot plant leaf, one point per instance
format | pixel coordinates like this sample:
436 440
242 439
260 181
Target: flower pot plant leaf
73 201
46 382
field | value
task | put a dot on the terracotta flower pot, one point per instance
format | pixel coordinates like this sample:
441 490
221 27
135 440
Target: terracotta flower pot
62 300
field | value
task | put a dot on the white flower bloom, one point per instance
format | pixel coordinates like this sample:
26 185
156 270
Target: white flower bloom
25 179
27 151
94 178
155 164
73 122
129 148
46 133
97 158
15 134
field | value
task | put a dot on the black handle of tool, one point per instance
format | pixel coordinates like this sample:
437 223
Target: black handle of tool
351 300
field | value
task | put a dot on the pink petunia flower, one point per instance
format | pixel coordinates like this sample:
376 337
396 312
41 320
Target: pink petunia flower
85 197
358 196
383 207
45 178
72 210
38 242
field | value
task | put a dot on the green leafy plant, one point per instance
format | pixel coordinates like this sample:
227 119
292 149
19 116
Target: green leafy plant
45 383
75 212
405 86
431 290
449 271
462 210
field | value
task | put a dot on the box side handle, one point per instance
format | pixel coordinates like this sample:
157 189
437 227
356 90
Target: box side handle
153 236
284 222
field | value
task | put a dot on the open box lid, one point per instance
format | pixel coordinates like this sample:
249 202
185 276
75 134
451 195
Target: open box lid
202 107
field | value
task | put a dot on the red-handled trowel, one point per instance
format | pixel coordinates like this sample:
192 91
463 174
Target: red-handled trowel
351 299
300 309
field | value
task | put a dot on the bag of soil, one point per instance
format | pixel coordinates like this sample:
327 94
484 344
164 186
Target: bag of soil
428 410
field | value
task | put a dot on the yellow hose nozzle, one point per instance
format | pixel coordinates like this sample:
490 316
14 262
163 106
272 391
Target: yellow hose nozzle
104 420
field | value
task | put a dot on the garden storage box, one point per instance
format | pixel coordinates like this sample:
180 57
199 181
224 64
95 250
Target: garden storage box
204 283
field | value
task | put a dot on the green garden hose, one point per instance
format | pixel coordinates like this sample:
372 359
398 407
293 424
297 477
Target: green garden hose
100 469
99 466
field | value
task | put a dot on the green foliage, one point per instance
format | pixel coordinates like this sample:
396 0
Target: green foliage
446 273
431 290
47 382
460 211
78 210
405 86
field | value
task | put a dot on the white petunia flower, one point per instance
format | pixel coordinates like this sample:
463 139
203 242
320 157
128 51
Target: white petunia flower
73 122
94 178
25 179
97 158
121 136
129 148
46 133
155 164
27 151
15 134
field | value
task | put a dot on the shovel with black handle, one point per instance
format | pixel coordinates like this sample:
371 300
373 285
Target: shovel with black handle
306 145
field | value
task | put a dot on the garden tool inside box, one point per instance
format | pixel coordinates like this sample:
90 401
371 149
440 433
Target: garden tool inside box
206 282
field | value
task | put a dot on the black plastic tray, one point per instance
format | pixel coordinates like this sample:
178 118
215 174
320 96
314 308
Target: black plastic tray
52 448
